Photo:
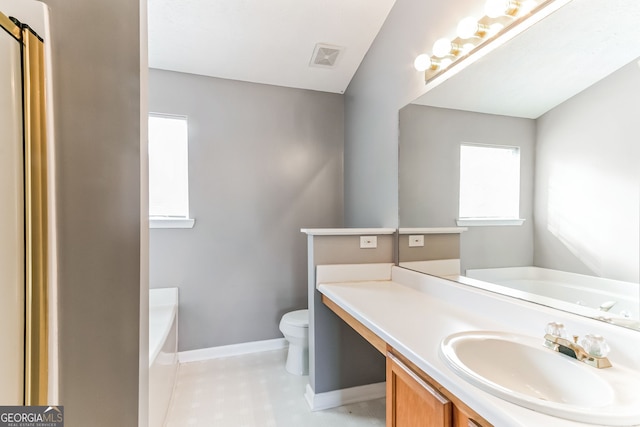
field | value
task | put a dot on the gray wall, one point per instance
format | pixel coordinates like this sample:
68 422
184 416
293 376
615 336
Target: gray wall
96 84
384 83
587 180
429 179
436 247
339 357
264 162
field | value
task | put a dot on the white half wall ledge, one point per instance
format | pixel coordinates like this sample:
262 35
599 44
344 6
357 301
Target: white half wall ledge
231 350
346 231
432 230
345 396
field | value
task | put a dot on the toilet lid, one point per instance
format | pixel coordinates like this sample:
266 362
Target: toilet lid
297 318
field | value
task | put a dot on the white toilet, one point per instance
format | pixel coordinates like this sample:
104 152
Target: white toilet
295 328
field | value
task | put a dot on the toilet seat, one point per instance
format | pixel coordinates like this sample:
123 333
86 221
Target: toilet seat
295 323
299 318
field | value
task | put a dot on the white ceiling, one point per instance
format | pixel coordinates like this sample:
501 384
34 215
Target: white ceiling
264 41
549 63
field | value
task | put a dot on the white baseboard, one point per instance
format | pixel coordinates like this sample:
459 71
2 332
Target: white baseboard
231 350
345 396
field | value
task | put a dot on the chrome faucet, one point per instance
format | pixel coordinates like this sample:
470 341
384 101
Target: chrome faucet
593 351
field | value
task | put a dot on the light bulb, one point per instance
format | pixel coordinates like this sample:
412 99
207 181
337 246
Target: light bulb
467 28
497 8
422 62
442 47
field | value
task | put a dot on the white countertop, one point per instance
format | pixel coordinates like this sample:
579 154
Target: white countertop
415 322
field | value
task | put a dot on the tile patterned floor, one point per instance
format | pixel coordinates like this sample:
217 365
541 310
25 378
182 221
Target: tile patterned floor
254 390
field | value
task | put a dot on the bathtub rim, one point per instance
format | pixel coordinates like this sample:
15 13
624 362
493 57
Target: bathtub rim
162 299
545 300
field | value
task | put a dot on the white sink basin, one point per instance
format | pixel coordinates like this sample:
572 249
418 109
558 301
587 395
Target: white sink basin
519 369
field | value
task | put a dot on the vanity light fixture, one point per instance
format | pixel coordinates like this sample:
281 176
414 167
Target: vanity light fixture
497 8
470 28
445 47
503 20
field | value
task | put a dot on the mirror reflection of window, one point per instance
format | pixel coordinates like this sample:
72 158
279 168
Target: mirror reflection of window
168 167
489 181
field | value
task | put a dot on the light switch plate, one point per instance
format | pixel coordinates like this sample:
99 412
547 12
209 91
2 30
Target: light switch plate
368 242
416 240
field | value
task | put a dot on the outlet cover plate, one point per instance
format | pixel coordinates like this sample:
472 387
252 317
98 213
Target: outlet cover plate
368 242
416 241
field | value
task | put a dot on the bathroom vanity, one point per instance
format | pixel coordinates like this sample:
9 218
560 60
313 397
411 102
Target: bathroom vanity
413 397
405 315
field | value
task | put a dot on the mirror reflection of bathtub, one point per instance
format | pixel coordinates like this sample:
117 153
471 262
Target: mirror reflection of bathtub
604 297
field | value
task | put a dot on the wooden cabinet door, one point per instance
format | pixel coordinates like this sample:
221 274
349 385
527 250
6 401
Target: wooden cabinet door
411 402
462 419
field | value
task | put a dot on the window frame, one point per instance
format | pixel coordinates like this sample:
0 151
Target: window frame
160 221
489 221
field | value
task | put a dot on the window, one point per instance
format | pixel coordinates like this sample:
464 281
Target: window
489 185
168 172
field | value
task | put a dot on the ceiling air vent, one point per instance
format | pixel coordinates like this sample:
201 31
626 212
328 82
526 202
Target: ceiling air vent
325 55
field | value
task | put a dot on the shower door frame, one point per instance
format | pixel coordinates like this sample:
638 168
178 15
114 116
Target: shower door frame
12 245
35 195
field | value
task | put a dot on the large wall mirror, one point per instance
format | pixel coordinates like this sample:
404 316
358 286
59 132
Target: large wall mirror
563 96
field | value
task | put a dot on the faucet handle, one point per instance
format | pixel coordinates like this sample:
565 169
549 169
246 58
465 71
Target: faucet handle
595 345
556 329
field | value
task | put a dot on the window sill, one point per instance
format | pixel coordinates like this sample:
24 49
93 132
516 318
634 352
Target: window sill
171 222
486 222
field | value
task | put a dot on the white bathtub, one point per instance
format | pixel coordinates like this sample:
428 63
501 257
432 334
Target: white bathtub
163 351
587 291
